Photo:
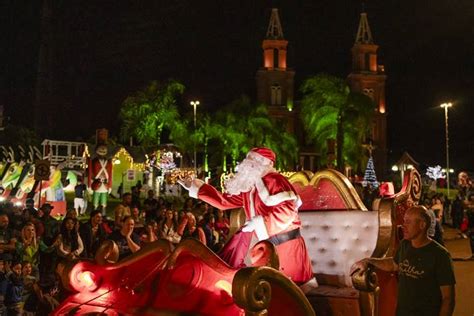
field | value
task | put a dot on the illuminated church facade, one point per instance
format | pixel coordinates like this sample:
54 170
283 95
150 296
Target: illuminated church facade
275 87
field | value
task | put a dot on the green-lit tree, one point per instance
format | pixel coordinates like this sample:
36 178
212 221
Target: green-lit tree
330 110
208 130
148 112
244 125
231 133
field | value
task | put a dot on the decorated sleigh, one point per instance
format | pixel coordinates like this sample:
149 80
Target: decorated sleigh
192 280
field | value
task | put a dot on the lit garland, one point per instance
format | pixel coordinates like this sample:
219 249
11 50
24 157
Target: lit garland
85 156
124 152
140 166
174 175
224 177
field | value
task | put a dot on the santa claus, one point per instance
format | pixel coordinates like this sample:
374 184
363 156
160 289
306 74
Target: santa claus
100 177
271 207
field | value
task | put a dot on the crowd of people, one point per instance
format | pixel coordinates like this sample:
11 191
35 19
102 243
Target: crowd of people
33 243
457 213
137 223
462 209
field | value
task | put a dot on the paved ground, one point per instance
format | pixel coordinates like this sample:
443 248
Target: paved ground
464 270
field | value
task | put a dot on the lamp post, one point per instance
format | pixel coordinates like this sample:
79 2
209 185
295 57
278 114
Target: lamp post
446 106
194 105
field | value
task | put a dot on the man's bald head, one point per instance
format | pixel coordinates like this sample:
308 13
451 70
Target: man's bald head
422 214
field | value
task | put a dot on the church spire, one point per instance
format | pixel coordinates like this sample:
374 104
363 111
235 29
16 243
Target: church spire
274 44
364 35
275 82
368 77
275 31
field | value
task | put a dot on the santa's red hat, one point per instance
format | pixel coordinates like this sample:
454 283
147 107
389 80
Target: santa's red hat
265 152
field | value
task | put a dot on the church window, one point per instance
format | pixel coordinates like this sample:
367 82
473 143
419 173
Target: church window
276 94
275 58
369 92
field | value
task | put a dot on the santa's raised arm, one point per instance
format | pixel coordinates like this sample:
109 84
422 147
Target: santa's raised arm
271 207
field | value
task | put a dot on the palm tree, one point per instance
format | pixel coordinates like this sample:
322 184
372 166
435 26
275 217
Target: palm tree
248 125
147 113
330 110
207 131
231 134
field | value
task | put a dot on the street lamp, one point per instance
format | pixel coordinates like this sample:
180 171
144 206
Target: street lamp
446 106
194 105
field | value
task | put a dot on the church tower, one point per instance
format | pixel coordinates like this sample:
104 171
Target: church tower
274 80
368 77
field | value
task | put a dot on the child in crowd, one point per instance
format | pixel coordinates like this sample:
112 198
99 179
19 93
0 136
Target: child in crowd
13 297
29 281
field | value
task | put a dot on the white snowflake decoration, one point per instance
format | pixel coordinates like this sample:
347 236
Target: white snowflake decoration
435 173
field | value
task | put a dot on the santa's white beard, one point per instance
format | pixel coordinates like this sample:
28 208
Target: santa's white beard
249 171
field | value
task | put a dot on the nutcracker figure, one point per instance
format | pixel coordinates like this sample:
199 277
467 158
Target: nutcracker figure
100 177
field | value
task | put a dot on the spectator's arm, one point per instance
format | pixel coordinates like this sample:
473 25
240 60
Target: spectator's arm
48 249
10 246
182 225
80 246
385 264
175 238
132 245
202 235
61 249
447 300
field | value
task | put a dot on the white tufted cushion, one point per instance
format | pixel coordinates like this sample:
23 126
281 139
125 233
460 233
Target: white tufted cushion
337 239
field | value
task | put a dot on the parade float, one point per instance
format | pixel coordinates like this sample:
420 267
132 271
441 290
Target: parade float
191 279
20 177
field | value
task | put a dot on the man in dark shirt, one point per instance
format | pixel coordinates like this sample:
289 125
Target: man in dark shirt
425 269
136 196
49 237
29 210
150 206
127 241
79 197
7 240
92 234
50 224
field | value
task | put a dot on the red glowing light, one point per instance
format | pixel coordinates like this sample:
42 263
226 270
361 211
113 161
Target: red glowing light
85 280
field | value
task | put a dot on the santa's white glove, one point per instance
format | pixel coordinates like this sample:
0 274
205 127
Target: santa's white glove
192 185
256 224
186 183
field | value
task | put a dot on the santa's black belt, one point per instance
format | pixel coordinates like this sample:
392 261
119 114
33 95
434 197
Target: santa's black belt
281 238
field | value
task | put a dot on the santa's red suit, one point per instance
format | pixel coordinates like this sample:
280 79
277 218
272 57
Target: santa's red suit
272 204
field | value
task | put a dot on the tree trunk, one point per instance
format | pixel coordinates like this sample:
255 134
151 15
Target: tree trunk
340 143
224 163
206 154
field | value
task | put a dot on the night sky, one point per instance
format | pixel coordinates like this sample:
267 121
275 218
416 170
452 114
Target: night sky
106 50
